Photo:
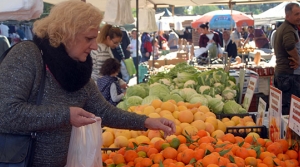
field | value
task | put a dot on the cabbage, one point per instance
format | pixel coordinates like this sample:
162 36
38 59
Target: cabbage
136 90
159 90
194 95
149 99
175 91
185 76
218 88
175 97
145 86
231 107
197 99
187 92
122 105
165 81
215 105
133 101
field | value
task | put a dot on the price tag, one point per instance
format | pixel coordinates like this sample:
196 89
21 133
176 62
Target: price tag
241 82
275 113
249 92
261 112
294 118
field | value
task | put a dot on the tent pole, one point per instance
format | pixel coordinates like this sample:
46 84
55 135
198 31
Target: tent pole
137 39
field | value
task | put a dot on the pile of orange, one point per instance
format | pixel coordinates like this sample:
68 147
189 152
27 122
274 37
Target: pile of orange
202 150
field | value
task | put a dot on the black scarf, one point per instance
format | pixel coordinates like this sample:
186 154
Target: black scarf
72 75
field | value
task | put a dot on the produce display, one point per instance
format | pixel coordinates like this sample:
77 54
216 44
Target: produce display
212 88
203 106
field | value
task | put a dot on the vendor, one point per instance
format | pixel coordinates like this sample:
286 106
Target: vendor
258 36
229 46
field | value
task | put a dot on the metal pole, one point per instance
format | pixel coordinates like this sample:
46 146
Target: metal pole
137 39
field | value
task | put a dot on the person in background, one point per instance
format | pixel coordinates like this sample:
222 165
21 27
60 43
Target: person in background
244 33
287 52
4 44
132 47
161 38
229 46
258 36
208 37
220 35
109 38
187 35
272 37
236 36
173 40
156 49
146 47
70 97
108 83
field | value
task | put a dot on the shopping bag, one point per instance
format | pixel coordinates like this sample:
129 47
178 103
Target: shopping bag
130 66
124 72
85 146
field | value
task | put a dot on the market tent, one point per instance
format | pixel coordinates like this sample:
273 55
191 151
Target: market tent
274 13
144 3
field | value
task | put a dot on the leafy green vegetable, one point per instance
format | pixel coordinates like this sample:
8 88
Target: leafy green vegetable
149 99
186 92
159 90
202 100
175 97
215 105
190 84
136 90
133 101
122 105
231 107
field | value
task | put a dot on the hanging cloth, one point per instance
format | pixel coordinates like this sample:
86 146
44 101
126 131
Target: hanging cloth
148 23
118 12
20 9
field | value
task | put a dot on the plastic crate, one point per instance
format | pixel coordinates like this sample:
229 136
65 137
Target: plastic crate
221 116
243 131
105 150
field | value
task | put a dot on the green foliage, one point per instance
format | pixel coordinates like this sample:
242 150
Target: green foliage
232 107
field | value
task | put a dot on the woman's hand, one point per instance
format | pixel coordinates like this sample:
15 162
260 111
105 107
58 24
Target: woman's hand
80 117
124 86
163 124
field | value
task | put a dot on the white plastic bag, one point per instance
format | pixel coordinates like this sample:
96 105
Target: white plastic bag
85 146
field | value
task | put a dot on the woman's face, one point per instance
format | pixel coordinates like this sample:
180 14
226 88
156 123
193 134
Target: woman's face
83 44
201 30
133 34
113 42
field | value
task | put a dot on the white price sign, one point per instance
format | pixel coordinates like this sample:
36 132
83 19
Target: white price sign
294 118
275 113
249 92
261 112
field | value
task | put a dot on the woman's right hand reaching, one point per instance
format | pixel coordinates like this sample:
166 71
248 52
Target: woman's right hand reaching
80 117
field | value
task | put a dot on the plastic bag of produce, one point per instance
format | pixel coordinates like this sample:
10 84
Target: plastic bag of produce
85 146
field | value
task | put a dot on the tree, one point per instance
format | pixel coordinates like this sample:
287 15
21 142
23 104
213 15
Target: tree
200 10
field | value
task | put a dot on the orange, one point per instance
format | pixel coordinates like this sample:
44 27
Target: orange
283 157
262 165
167 161
265 154
187 155
152 151
199 153
204 109
118 159
229 137
144 148
158 158
146 162
111 155
104 157
223 161
268 161
181 138
250 140
210 159
292 154
231 165
284 144
252 153
186 116
242 152
275 148
158 144
167 106
170 153
194 105
130 155
261 141
205 139
182 147
212 165
239 161
291 163
108 161
207 146
156 103
201 133
251 161
238 139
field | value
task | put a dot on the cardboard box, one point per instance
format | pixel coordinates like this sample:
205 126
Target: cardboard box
157 63
284 124
174 61
182 55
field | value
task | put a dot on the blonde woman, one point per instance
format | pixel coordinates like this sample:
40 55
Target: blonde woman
71 98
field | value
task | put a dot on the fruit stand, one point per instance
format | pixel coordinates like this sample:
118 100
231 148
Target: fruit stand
212 128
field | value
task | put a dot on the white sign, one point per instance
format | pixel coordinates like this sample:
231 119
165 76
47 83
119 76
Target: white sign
275 113
261 112
249 92
294 118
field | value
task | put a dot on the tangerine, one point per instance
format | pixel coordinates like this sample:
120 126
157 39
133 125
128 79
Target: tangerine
169 153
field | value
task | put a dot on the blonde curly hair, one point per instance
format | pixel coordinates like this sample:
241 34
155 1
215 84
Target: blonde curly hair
66 20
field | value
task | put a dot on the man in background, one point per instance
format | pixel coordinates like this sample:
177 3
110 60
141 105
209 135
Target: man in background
236 37
287 51
229 46
173 40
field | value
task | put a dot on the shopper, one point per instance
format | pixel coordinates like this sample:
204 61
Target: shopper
146 47
287 70
229 46
71 98
259 38
132 47
108 83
